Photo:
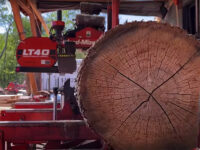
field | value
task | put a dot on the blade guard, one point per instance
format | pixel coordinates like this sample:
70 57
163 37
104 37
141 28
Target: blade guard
67 59
66 64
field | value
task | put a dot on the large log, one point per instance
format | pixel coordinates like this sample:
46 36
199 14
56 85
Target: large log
139 87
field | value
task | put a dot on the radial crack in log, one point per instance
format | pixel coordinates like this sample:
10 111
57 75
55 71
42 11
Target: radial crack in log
182 108
189 60
140 105
129 78
150 94
161 107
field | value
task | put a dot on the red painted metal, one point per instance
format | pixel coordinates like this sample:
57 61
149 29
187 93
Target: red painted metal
35 105
14 87
27 131
27 126
39 98
37 52
26 114
86 37
176 2
2 141
20 147
58 23
38 114
109 17
115 13
24 133
41 52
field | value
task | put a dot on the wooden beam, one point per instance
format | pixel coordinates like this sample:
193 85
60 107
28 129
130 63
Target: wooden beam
22 35
17 18
39 16
33 25
31 76
24 6
32 83
28 10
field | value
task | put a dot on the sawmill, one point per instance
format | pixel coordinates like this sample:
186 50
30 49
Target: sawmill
138 88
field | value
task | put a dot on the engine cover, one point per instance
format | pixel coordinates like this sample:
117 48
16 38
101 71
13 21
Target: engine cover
37 52
86 37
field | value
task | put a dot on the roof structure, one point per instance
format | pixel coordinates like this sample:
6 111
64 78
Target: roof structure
131 7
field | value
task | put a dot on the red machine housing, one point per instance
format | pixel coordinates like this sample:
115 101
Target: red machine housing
85 37
37 52
41 52
58 25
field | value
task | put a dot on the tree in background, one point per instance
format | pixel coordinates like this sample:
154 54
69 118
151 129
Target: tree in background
8 43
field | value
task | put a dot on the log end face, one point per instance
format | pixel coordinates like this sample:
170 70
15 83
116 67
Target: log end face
139 88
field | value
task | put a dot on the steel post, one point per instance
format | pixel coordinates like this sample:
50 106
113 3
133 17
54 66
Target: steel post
115 13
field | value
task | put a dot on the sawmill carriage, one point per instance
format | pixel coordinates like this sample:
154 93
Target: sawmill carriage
138 87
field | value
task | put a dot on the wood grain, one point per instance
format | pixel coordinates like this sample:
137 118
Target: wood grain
139 87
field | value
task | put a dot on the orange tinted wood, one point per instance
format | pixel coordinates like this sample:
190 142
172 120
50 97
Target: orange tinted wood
39 16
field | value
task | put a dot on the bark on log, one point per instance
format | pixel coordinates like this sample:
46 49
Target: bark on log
139 87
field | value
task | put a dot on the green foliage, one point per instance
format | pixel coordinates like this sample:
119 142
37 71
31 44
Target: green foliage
67 17
80 54
8 61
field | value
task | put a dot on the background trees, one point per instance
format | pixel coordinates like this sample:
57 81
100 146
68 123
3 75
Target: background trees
8 42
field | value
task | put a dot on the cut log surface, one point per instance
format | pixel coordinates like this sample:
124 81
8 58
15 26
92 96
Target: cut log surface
139 87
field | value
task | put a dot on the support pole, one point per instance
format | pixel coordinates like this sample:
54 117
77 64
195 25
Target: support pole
176 2
115 13
59 15
109 17
59 18
197 17
177 16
